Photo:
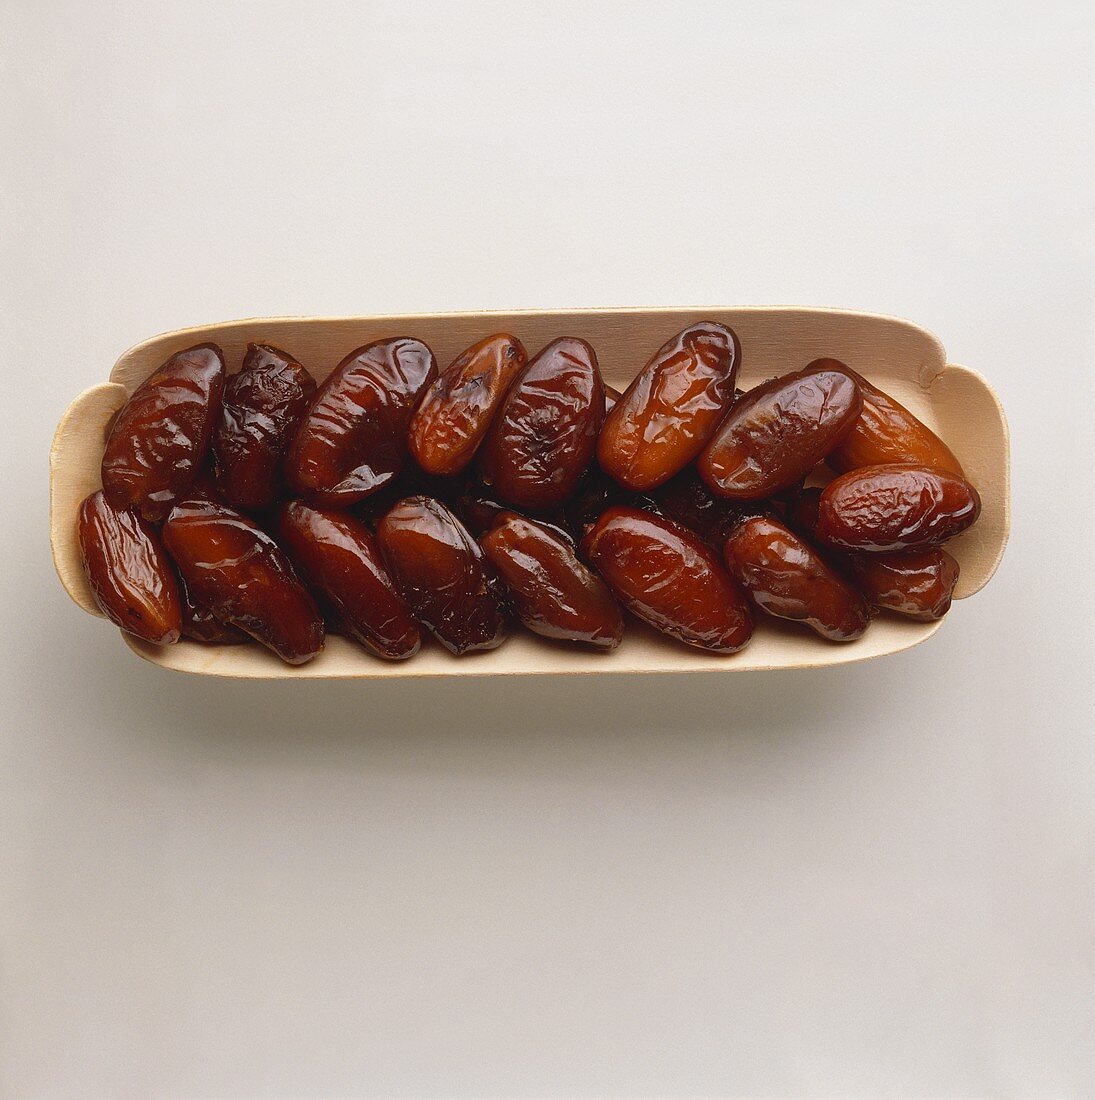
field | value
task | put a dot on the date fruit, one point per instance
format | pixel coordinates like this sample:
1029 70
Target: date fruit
778 432
443 574
130 574
892 507
545 432
159 438
886 432
199 624
338 556
553 592
456 412
787 578
262 407
916 583
687 499
670 578
672 408
236 570
352 440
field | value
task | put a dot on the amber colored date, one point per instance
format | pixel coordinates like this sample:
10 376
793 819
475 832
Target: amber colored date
670 578
544 434
554 593
130 575
339 558
443 574
886 432
672 408
236 570
262 407
778 432
352 440
159 438
456 412
892 507
787 578
916 583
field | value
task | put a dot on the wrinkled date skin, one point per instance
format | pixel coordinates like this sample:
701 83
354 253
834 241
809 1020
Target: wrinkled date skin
338 556
236 570
886 432
916 583
161 435
545 432
199 624
554 593
668 577
352 440
456 412
788 579
892 507
672 408
778 432
130 574
262 407
687 499
443 574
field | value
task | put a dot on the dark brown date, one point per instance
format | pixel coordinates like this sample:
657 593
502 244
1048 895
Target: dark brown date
199 624
159 438
263 405
670 578
916 583
787 578
778 432
352 440
886 432
672 408
553 592
130 575
545 432
687 499
594 496
456 412
892 507
442 573
338 556
236 570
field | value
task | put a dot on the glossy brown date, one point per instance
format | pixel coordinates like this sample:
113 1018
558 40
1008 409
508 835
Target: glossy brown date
443 574
236 570
916 583
886 432
352 440
545 431
338 556
672 408
130 575
554 593
670 578
778 432
787 578
159 438
456 412
892 507
262 407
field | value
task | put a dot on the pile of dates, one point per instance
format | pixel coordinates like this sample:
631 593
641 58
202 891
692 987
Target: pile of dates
393 498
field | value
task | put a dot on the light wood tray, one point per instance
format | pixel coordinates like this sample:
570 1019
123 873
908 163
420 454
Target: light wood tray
900 357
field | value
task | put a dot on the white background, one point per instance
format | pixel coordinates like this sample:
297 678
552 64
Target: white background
873 881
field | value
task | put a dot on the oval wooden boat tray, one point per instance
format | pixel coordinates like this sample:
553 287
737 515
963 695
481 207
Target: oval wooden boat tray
900 357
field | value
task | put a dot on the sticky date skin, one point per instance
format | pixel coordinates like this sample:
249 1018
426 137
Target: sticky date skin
545 431
338 556
886 432
918 584
443 575
236 570
672 407
670 578
262 407
129 572
161 435
456 412
352 440
778 432
553 592
893 507
787 578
